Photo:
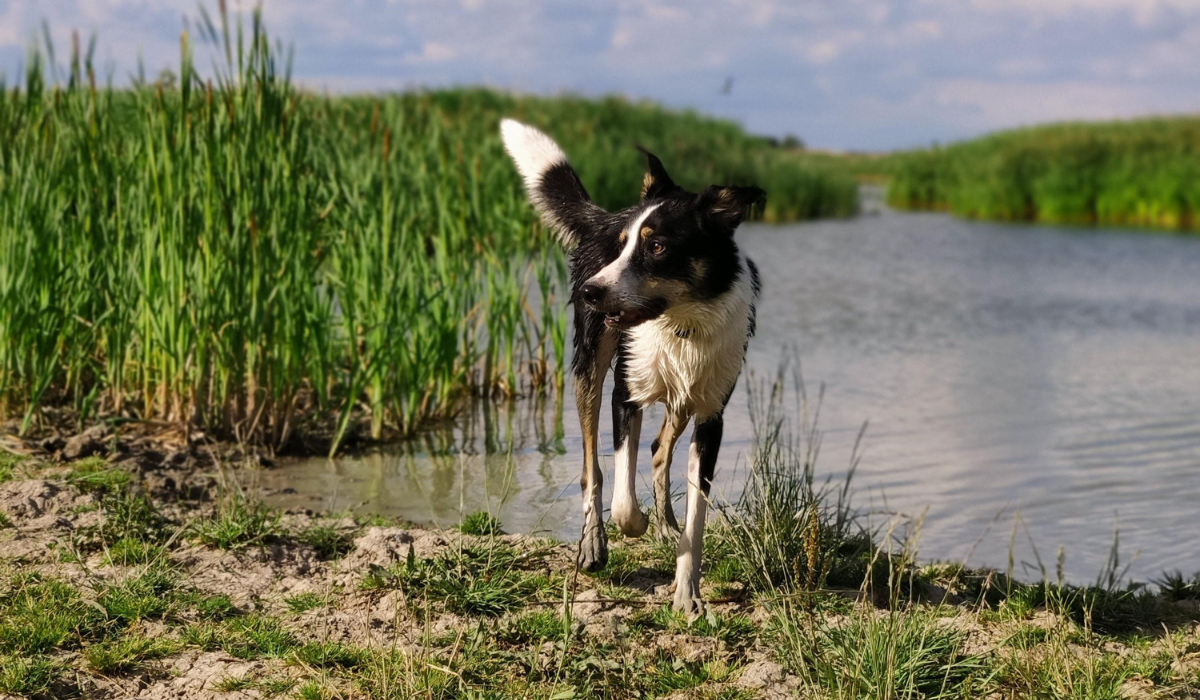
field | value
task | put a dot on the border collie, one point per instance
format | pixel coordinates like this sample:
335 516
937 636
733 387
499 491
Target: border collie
662 288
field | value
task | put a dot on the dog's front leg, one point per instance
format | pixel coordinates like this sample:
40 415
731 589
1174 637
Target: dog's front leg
702 460
665 525
627 430
590 368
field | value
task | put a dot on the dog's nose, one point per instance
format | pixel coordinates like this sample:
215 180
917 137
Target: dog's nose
592 293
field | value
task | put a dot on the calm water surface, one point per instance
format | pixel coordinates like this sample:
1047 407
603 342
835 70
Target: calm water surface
1013 376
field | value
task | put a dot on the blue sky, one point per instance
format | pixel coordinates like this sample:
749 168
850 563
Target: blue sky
848 74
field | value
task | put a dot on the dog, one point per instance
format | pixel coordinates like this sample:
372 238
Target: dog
661 288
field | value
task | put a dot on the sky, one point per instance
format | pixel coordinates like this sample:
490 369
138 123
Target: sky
840 74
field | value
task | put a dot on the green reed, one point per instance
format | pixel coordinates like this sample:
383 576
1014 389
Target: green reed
238 255
1140 173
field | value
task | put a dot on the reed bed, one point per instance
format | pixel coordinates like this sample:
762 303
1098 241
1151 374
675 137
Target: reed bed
229 252
1137 173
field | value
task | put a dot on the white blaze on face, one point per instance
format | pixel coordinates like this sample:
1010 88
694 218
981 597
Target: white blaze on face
610 276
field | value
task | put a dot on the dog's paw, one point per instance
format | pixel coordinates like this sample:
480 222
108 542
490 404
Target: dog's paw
593 551
630 520
688 600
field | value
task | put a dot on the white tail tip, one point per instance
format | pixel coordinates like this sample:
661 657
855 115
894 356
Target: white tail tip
532 151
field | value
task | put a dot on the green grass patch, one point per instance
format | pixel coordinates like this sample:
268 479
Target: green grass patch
96 475
488 579
129 551
480 523
303 602
786 532
150 595
41 614
12 466
330 655
237 522
29 677
313 690
208 607
248 637
735 630
532 628
126 654
328 541
231 684
894 654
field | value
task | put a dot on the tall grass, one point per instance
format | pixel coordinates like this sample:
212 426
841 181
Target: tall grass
1141 173
787 532
235 254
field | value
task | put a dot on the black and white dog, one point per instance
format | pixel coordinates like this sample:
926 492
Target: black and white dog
662 287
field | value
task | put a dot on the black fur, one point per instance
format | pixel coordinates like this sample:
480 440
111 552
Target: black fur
623 409
707 439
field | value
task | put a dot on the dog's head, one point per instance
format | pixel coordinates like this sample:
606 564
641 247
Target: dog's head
676 247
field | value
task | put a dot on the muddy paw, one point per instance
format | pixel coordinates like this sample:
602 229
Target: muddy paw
665 530
593 551
688 601
631 522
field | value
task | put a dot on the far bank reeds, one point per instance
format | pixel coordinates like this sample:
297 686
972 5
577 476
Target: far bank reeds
1137 173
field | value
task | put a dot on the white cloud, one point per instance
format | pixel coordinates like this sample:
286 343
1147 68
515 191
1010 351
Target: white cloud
992 105
840 73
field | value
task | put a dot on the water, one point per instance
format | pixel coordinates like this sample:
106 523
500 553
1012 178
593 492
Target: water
1013 376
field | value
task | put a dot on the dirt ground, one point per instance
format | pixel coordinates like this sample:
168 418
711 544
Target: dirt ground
145 569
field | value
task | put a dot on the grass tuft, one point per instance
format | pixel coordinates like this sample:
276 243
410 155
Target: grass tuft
785 533
238 522
480 523
149 595
487 579
303 602
330 655
41 614
29 677
126 654
328 541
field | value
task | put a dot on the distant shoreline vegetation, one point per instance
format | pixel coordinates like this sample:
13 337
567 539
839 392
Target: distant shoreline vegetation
244 257
1143 172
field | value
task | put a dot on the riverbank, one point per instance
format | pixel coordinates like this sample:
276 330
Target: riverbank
1138 172
126 576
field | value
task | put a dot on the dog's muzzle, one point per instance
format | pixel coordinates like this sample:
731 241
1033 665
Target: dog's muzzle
618 314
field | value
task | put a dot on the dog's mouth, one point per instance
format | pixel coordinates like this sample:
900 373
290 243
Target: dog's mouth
624 319
630 317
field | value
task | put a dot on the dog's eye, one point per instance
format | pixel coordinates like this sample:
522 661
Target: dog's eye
657 248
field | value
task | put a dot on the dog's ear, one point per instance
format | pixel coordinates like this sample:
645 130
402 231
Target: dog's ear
657 182
728 205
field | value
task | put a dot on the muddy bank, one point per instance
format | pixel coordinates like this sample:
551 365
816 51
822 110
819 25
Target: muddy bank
123 575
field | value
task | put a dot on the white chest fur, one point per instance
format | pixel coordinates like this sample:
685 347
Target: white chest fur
689 358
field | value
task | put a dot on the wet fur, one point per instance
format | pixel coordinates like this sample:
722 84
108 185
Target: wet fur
662 293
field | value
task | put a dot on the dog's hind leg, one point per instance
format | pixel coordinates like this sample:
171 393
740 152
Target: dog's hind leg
594 348
702 460
665 525
627 430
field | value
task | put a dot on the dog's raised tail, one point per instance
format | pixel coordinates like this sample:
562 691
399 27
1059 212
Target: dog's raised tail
552 184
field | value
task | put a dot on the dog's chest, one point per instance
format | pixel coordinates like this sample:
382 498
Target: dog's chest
692 371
